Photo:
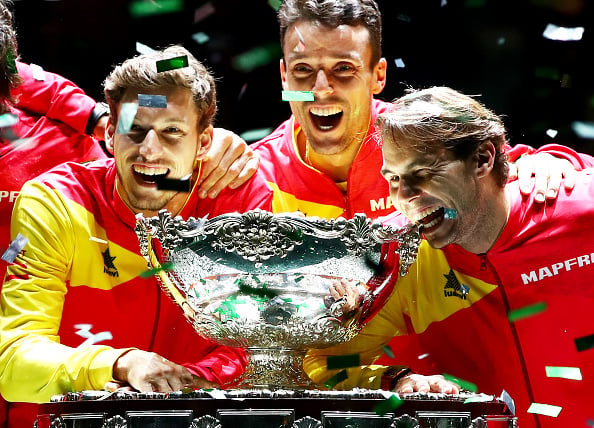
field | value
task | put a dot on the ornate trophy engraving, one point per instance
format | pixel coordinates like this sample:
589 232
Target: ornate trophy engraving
261 281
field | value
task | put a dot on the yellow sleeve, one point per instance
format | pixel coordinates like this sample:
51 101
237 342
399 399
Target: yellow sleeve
34 364
369 343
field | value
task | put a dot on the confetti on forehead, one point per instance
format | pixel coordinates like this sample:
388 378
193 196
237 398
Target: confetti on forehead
584 343
343 361
526 311
14 248
297 96
336 379
172 63
142 8
37 72
564 34
143 49
301 44
564 372
126 117
544 409
155 101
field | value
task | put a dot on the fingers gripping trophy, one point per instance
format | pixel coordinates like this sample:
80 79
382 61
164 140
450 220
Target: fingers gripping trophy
273 284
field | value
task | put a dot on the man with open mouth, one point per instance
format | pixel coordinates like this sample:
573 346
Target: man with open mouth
489 257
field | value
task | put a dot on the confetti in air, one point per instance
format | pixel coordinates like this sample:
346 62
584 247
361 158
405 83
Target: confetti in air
275 4
200 38
141 8
464 384
552 133
7 120
14 248
203 12
399 62
388 405
156 101
298 96
126 118
257 57
583 129
255 134
37 72
564 34
152 272
388 351
143 49
564 372
343 361
584 343
450 213
544 409
172 63
336 379
526 311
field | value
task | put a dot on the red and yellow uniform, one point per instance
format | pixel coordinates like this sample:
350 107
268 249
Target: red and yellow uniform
73 300
456 303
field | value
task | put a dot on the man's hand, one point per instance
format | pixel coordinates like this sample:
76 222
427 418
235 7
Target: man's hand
149 372
419 383
347 293
230 162
548 172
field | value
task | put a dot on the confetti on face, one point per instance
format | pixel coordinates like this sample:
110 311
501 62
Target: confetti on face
450 213
301 44
203 12
336 379
464 384
298 96
584 343
200 38
152 272
564 372
99 240
172 63
343 361
127 115
155 101
388 351
526 311
388 405
399 62
143 49
564 34
544 409
255 134
14 248
177 184
142 8
37 72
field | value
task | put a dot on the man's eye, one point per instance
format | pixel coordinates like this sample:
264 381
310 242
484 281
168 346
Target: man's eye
172 130
394 179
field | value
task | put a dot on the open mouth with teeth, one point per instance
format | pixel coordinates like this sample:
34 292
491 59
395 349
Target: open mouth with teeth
149 175
325 118
430 219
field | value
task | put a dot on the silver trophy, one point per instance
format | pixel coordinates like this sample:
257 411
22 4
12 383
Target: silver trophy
260 281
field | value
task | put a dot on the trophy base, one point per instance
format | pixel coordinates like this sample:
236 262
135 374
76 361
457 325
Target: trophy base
274 368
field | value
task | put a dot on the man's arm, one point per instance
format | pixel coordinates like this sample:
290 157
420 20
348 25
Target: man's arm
541 171
59 99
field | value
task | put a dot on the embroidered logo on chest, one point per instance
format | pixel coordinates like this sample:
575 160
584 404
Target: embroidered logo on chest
453 287
108 266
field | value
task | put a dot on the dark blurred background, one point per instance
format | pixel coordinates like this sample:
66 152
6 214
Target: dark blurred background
493 48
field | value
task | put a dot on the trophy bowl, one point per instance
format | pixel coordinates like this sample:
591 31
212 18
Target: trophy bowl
260 281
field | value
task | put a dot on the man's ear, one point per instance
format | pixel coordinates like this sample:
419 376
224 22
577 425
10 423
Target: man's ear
485 158
379 72
283 73
204 142
109 136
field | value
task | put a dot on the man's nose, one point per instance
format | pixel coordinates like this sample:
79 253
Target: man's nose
150 146
322 84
